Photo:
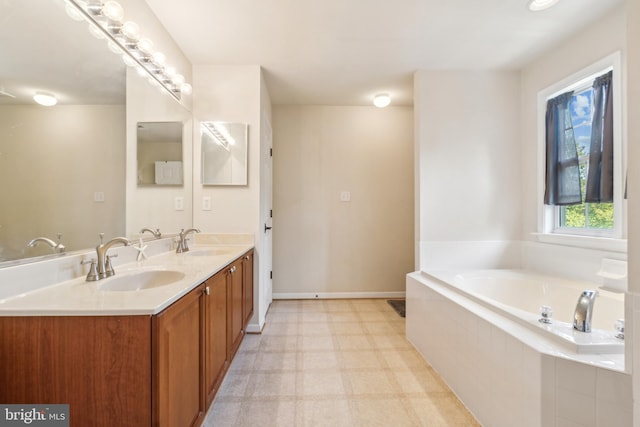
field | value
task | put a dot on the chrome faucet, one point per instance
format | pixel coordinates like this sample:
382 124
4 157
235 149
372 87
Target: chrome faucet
584 311
156 233
57 247
104 265
182 244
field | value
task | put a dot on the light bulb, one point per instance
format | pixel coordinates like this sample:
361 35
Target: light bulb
45 99
159 58
177 79
170 71
131 30
113 11
145 46
186 88
382 100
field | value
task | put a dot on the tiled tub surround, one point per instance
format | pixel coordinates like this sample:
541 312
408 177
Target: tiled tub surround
505 371
57 286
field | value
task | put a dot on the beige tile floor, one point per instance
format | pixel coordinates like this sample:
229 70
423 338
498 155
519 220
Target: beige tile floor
333 363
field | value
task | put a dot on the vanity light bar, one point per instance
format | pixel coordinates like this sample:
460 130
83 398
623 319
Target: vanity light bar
106 19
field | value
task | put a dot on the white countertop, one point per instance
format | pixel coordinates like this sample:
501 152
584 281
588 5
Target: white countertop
77 297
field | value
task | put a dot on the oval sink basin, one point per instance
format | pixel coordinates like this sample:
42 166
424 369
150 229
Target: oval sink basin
141 280
208 252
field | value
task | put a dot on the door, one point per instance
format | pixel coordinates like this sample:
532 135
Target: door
216 353
266 216
176 359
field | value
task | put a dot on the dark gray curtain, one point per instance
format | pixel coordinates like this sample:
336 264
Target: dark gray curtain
600 175
562 180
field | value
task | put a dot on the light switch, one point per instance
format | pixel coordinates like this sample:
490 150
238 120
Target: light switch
98 197
178 203
345 196
206 203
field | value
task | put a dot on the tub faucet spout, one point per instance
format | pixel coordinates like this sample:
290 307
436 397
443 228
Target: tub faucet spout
584 311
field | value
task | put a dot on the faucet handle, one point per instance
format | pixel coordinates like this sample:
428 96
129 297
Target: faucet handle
92 275
101 235
108 267
546 313
619 325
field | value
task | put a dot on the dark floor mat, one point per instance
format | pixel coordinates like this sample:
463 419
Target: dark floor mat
399 305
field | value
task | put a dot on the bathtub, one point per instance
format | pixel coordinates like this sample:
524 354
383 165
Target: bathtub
480 331
519 294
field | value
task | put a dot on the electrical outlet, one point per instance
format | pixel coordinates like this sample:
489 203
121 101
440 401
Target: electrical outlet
345 196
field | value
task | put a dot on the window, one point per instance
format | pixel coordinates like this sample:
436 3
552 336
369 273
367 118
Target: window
580 154
584 216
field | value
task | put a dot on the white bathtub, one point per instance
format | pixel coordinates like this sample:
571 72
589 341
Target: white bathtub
519 294
480 331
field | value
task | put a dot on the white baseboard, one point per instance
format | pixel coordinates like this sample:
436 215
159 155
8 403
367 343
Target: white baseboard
337 295
253 328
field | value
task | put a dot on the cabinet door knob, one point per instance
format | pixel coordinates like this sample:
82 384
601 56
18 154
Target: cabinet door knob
207 291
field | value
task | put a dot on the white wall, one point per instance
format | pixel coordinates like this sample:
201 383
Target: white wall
154 206
466 126
234 94
633 129
322 245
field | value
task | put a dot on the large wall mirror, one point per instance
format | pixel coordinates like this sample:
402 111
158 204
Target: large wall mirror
224 153
63 168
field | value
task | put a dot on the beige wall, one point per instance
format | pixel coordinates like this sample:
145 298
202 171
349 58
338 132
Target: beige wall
52 160
322 245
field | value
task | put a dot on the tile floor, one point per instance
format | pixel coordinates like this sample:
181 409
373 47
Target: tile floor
333 363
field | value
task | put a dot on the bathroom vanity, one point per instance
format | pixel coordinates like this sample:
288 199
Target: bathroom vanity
151 356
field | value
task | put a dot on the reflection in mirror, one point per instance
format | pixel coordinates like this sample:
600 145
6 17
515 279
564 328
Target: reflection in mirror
62 167
159 148
224 153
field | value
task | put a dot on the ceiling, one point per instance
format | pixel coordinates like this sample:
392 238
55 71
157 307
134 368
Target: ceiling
342 52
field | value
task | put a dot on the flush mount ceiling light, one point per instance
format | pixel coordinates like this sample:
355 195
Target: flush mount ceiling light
381 100
538 5
45 99
106 19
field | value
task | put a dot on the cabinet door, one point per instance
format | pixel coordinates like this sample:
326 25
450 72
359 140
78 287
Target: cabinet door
236 329
177 356
215 327
247 287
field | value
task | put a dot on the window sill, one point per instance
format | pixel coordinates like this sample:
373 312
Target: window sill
586 242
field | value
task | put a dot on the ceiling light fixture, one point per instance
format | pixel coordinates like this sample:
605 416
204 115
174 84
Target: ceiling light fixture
538 5
106 18
382 100
45 99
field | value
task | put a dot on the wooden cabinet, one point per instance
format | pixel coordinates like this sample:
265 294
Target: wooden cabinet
215 347
177 383
236 324
162 370
247 287
99 365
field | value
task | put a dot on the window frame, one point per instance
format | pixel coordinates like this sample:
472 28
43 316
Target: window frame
548 216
